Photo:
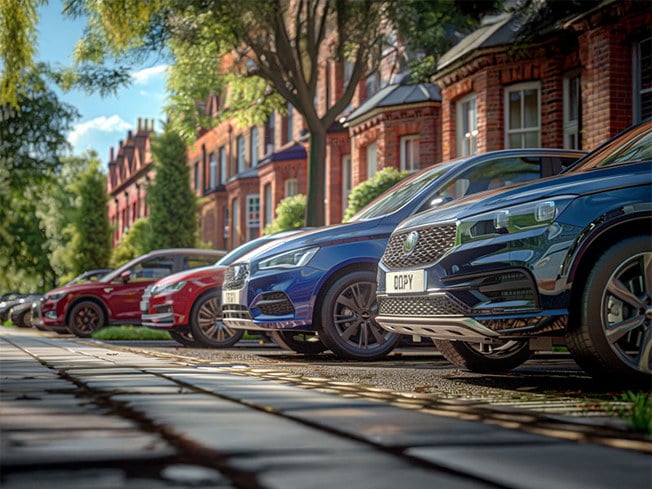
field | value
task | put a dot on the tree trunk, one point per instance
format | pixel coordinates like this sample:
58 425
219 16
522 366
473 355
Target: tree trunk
315 212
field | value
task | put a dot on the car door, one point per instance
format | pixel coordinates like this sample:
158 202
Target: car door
126 291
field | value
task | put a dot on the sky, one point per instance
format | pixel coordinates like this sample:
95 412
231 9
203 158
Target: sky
104 121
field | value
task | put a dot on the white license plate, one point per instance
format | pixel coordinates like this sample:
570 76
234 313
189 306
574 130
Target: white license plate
230 297
407 281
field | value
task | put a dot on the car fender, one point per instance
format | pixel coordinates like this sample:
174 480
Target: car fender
93 298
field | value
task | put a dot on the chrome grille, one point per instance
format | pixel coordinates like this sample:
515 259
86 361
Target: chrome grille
235 276
432 244
438 305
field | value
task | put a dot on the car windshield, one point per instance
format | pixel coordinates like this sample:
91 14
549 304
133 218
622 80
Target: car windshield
245 248
402 193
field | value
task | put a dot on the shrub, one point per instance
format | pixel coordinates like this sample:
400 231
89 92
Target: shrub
368 190
290 214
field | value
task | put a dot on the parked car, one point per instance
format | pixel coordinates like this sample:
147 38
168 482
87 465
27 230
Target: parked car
20 313
33 317
324 281
188 304
9 300
115 298
565 259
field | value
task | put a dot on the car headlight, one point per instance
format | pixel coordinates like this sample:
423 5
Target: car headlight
513 219
289 259
56 296
169 288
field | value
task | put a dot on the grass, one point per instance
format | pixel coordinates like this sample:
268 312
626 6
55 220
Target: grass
130 333
637 412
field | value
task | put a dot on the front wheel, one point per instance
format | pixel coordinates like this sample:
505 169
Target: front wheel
613 336
206 324
495 358
300 342
347 323
183 336
86 317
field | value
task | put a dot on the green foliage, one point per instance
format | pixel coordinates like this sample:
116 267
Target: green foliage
173 205
368 190
130 333
134 244
18 19
290 214
91 238
639 412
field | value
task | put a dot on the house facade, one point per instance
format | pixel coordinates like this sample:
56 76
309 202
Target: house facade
573 83
130 170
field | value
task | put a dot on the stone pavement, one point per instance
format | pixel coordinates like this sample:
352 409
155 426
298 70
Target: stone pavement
79 415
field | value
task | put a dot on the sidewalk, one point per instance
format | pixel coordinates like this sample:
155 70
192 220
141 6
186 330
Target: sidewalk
74 415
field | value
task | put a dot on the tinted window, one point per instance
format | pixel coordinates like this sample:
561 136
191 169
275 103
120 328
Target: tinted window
153 268
197 261
489 175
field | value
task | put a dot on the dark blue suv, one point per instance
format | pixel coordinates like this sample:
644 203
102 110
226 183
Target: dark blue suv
564 260
317 290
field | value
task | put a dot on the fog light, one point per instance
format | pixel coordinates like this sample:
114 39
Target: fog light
51 314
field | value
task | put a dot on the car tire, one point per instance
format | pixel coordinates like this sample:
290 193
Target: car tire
611 338
206 324
500 358
347 323
21 320
298 341
183 337
86 317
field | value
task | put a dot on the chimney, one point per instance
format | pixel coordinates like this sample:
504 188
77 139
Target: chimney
111 155
129 134
140 123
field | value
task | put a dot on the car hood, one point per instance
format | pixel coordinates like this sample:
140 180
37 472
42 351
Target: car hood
187 275
77 288
574 183
326 235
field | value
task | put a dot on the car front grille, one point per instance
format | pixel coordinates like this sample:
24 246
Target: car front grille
235 311
439 305
235 276
275 303
432 243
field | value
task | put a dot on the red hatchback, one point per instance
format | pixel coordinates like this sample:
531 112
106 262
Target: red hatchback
83 308
188 304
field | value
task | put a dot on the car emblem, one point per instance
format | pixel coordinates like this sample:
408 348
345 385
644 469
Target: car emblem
410 242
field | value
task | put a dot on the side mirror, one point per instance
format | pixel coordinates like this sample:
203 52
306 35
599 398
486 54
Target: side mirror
440 201
125 276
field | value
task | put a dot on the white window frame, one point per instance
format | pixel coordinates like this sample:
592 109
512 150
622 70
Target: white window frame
235 222
522 131
212 158
223 171
467 125
572 114
240 153
253 216
291 187
372 159
410 152
253 144
269 212
347 181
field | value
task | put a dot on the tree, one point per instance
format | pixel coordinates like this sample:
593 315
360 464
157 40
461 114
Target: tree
173 206
32 140
134 244
91 237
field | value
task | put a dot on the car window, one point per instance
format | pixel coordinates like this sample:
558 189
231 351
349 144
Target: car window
638 149
400 194
154 268
197 261
486 176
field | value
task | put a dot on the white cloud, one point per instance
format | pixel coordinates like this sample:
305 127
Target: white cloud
102 124
144 76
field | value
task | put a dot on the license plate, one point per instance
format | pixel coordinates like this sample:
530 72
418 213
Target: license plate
407 281
230 297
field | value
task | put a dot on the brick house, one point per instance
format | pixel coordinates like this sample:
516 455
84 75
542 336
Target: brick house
130 171
572 86
573 83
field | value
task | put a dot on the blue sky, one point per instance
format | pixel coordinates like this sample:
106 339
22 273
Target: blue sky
104 121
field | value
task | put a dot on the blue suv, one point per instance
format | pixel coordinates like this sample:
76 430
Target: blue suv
562 261
317 290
